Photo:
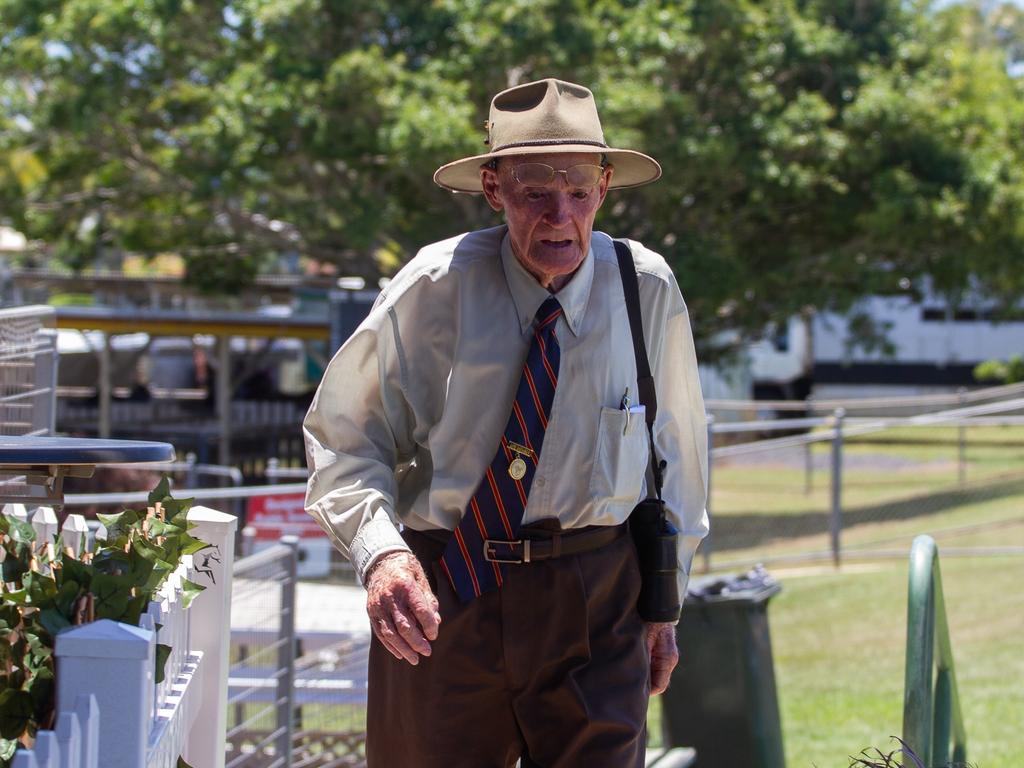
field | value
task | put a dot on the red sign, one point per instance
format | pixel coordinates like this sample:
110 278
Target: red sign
282 515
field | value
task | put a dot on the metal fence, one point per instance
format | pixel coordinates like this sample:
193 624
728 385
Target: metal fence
28 370
287 707
263 648
842 487
330 693
28 383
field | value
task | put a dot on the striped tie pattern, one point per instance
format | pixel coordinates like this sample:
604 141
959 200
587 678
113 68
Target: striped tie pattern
496 510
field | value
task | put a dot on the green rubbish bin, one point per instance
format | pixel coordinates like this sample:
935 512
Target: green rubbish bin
722 697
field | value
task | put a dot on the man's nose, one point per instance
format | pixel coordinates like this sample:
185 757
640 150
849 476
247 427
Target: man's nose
557 212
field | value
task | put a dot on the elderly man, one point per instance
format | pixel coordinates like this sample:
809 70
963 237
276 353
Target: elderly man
476 449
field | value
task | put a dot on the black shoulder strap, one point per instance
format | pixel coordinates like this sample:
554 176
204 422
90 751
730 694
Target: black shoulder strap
647 394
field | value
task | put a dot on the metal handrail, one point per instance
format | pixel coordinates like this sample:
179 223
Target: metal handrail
860 403
932 722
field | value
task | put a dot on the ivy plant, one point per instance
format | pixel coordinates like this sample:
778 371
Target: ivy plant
47 589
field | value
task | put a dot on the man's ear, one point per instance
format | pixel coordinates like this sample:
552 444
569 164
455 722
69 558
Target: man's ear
492 188
606 180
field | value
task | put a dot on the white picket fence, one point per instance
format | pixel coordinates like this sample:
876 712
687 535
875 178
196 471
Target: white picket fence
110 711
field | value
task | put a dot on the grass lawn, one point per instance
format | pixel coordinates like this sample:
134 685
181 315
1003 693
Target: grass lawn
839 643
839 637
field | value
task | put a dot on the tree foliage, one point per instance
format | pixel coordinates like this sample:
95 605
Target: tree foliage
814 151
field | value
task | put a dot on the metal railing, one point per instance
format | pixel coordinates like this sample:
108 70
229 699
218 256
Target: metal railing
898 402
261 679
28 370
932 724
862 488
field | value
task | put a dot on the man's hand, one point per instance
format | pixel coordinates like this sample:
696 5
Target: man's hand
402 608
661 645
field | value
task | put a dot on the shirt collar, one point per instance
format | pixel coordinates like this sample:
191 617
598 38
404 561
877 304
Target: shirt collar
528 294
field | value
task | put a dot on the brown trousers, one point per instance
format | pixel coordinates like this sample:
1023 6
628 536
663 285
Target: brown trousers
552 668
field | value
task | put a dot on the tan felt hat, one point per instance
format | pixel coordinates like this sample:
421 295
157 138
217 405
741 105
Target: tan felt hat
540 118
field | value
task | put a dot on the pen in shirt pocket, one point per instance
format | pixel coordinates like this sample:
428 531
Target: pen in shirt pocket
625 405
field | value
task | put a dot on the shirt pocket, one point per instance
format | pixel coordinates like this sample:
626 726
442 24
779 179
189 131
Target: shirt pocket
620 458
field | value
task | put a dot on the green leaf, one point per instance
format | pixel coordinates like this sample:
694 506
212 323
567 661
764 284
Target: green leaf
133 611
191 545
40 648
41 689
156 578
110 521
53 620
14 567
16 679
120 525
176 510
159 527
145 549
76 571
190 590
21 531
42 588
182 764
112 561
163 652
16 711
10 617
162 490
67 595
7 748
111 594
18 597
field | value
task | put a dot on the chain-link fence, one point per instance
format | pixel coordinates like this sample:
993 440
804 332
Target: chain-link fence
852 486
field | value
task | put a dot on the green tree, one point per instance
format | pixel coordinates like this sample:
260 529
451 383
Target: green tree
1005 372
814 151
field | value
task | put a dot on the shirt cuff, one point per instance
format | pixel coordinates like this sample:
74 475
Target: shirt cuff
378 537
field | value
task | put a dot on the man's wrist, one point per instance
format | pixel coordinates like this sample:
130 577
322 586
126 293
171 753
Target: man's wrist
382 558
375 538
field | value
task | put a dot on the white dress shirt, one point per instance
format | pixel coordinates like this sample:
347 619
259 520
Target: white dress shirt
412 407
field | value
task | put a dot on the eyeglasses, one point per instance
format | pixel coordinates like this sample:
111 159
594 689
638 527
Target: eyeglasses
541 174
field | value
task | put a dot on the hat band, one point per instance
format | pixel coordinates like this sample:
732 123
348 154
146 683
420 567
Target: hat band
549 143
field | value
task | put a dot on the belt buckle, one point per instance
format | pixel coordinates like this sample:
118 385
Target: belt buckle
490 557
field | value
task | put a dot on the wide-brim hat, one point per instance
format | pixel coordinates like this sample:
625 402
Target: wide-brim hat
540 118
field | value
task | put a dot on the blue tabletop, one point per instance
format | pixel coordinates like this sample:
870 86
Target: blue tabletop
27 451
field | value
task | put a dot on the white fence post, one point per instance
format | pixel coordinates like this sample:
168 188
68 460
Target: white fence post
115 662
76 534
47 749
69 735
211 633
24 759
88 712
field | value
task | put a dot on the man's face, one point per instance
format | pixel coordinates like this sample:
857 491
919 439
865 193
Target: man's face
549 225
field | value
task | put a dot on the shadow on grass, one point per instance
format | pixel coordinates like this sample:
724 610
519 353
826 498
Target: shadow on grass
742 530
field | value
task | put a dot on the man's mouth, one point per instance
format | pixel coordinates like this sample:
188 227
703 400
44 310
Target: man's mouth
557 243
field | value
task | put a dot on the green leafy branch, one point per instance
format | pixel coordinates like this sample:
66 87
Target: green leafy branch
48 588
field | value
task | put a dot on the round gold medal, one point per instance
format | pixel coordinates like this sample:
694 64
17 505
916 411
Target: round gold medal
517 469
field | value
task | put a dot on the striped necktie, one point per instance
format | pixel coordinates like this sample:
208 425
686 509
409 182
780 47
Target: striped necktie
495 512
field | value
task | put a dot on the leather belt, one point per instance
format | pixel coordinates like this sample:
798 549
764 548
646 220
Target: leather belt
550 545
